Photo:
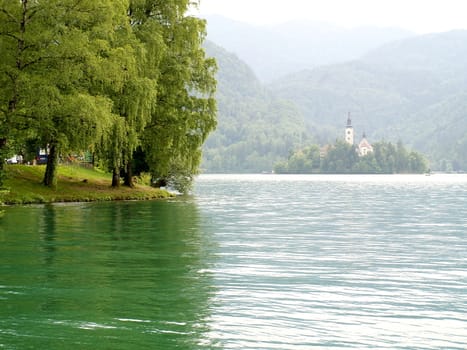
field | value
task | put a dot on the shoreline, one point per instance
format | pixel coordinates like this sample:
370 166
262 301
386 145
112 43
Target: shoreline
75 184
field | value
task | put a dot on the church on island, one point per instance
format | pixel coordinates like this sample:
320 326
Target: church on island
364 147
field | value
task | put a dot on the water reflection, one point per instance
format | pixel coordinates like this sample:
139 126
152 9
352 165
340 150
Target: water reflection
48 233
127 275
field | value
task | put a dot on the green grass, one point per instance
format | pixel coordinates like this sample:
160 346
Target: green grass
75 184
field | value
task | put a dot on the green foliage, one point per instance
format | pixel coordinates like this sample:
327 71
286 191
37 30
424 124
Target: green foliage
256 129
3 193
60 60
303 161
104 76
185 109
342 158
180 180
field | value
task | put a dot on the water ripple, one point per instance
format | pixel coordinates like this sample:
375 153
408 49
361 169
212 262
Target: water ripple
346 262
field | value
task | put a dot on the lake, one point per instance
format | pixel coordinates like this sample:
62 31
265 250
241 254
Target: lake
246 262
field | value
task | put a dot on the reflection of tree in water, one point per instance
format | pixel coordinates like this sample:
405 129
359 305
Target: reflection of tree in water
128 275
47 232
159 256
141 267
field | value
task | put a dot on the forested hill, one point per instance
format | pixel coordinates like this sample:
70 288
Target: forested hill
414 90
273 51
255 129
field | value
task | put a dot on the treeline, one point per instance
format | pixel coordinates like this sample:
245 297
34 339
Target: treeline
342 158
256 129
116 78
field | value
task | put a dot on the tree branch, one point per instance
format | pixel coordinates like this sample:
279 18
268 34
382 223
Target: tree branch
9 15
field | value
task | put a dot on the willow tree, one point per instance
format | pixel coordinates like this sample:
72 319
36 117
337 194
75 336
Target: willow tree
170 97
13 63
185 111
63 57
135 102
100 65
132 109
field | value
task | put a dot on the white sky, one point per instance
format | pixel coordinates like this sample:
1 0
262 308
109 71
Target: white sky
421 16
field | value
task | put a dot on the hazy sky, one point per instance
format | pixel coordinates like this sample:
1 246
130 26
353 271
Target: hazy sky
421 16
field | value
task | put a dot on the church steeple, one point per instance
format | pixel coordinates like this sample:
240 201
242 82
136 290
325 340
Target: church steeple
349 133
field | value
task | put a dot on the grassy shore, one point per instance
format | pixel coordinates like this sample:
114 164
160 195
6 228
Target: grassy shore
75 184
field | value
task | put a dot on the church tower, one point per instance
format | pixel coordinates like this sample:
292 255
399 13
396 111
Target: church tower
349 133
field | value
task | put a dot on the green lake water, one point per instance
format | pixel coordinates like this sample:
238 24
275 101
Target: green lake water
246 262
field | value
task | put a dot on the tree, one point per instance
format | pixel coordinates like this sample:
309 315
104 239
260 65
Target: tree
341 158
281 167
135 102
299 163
93 75
14 19
367 165
402 158
185 110
132 107
385 155
417 164
65 59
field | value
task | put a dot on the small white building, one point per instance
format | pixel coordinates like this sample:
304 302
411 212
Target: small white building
364 147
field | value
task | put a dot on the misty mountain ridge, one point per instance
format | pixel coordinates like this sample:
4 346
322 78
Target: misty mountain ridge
435 51
407 76
273 51
411 90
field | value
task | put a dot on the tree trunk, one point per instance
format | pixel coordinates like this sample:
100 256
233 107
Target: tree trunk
2 161
50 176
2 171
128 181
116 177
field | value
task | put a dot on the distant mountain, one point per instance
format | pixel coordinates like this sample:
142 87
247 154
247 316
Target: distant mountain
276 50
414 90
255 129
